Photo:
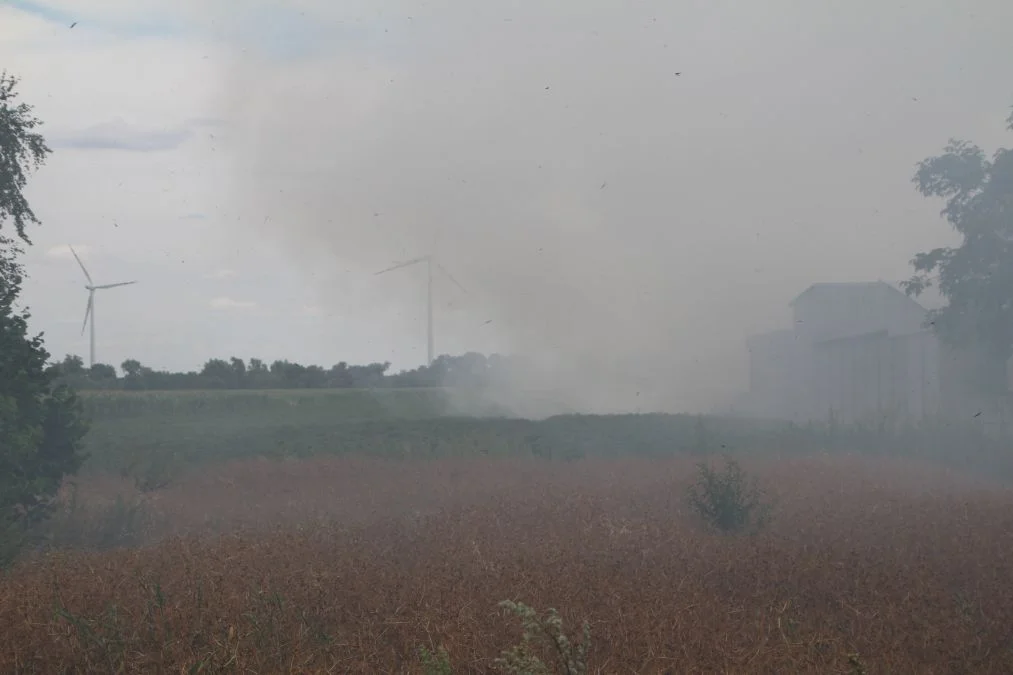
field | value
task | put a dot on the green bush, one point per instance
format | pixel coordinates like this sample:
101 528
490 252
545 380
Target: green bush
728 501
435 663
569 658
540 634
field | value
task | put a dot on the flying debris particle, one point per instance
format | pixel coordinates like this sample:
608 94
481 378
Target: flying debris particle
546 88
486 323
603 184
73 24
678 73
977 414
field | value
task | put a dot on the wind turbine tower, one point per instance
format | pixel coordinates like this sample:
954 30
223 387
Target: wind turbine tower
430 261
89 312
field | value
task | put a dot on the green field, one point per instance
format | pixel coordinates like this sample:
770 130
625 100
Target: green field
187 428
343 404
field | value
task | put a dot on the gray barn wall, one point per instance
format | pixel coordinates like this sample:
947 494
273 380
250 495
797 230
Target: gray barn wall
877 378
859 350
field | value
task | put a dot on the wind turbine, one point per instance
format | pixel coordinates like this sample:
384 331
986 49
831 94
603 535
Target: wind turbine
89 312
430 261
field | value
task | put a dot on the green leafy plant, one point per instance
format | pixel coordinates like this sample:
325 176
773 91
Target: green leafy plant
729 500
569 658
856 665
435 662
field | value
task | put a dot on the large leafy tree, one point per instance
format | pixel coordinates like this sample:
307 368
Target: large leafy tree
976 278
40 424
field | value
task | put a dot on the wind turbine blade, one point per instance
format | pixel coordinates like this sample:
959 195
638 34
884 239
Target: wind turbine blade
413 261
122 283
86 275
87 311
451 277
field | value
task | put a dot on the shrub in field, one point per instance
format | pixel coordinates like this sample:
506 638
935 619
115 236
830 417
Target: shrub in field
545 632
435 663
856 665
728 500
155 473
125 522
569 658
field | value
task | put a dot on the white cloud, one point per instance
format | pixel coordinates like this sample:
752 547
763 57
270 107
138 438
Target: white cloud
227 303
118 134
63 252
78 79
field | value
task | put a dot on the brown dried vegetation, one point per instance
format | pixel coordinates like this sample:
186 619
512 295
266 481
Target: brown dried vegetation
351 565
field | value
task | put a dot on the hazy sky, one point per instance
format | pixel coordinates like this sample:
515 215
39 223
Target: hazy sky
627 187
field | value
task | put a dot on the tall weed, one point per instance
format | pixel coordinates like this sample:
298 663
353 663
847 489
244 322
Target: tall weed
729 500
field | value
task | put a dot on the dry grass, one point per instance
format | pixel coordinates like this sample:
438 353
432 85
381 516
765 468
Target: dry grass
346 565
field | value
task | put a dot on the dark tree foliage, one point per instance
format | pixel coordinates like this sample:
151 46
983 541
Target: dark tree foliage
466 370
22 149
40 422
40 425
976 277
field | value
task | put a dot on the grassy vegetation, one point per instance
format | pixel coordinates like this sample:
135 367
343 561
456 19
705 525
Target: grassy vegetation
340 404
133 431
905 565
199 426
357 531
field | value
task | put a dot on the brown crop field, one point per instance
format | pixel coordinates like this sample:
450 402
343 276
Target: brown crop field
352 565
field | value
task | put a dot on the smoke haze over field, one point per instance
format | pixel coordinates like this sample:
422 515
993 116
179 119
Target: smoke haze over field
625 190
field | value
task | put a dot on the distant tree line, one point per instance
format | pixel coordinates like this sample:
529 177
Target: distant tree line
471 369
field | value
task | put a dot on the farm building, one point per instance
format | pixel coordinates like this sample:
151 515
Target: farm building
860 352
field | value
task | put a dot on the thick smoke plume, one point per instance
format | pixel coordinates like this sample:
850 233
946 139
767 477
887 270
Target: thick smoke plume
621 196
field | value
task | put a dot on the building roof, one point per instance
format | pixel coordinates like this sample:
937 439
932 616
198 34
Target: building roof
853 289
